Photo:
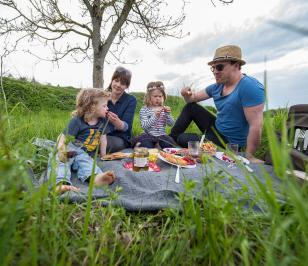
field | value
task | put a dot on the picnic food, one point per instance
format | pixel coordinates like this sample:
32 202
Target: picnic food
209 147
115 156
181 161
141 159
153 155
177 151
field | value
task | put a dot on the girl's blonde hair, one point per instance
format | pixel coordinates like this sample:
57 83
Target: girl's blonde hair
86 101
154 85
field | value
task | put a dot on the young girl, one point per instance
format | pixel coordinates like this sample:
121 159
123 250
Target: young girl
88 129
121 111
154 117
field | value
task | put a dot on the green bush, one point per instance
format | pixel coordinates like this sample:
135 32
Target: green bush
35 96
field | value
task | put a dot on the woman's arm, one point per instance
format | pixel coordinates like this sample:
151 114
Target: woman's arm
126 121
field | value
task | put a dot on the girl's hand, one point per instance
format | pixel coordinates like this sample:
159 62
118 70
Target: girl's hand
158 112
167 109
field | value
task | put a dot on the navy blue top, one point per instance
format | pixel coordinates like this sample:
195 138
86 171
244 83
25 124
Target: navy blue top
124 108
231 120
86 136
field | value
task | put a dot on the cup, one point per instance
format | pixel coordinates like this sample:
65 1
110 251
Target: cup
193 148
233 147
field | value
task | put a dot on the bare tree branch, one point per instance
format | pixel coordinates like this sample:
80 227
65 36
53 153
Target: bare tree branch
222 1
105 25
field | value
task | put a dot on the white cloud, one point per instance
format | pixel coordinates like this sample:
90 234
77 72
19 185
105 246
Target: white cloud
183 61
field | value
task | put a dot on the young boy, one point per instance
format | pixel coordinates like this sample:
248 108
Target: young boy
88 129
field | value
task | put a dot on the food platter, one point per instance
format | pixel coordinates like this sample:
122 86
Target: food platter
182 166
116 156
171 150
177 151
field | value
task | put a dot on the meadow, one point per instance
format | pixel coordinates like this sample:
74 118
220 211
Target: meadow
37 229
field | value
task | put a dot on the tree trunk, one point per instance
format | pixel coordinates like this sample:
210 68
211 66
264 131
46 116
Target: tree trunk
98 68
101 49
98 56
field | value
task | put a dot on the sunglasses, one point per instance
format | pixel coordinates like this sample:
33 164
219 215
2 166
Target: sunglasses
123 70
218 67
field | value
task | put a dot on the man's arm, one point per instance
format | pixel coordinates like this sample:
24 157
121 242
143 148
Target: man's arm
191 96
103 145
254 116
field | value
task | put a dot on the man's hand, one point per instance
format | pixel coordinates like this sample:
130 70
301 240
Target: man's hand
253 159
186 92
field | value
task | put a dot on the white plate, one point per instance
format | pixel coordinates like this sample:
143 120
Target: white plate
219 155
172 150
185 166
243 159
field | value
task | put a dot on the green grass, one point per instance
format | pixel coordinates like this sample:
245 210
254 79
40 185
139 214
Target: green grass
209 229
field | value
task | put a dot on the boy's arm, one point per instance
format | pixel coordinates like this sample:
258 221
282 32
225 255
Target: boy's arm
61 141
103 145
62 151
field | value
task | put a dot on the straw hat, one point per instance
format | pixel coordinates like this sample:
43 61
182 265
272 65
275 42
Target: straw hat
228 53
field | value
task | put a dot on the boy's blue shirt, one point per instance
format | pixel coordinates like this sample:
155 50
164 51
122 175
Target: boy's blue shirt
87 136
231 121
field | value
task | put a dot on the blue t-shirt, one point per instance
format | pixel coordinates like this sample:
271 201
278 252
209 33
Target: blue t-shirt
231 121
124 108
86 136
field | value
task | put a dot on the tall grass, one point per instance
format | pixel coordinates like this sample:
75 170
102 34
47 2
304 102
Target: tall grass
222 224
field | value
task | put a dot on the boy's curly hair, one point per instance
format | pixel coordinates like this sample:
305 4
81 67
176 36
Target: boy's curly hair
154 85
87 99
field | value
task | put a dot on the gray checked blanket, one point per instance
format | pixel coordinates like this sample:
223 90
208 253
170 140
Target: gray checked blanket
150 191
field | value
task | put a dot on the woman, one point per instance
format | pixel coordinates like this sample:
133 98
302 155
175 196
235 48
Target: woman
121 107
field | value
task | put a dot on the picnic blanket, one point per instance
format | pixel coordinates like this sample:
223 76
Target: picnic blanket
150 191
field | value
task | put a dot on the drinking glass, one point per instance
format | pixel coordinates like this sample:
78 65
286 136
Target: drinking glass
233 147
193 148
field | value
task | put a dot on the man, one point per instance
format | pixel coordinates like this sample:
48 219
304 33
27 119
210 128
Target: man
239 101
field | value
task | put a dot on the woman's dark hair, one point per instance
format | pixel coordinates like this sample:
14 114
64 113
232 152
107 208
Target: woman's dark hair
123 74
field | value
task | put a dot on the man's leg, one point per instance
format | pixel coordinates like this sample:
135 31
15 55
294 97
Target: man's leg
213 135
191 112
166 142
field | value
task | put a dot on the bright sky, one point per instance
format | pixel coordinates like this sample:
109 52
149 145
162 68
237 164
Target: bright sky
184 61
